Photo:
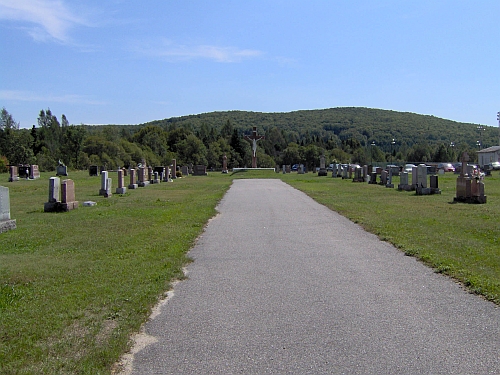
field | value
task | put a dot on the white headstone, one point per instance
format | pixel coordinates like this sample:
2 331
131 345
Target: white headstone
4 204
422 175
54 189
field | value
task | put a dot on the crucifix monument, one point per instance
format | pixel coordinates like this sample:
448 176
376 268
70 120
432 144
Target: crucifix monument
254 138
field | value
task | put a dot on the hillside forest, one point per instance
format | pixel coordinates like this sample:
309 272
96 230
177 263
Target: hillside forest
345 135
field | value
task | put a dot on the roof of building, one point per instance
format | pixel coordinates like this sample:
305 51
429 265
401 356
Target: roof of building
490 149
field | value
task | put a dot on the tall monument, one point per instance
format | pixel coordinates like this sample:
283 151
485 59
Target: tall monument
254 138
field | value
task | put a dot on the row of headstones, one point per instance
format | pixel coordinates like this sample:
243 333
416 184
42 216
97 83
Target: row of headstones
195 170
366 174
23 171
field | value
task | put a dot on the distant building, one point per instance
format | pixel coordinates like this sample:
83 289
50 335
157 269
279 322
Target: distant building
488 155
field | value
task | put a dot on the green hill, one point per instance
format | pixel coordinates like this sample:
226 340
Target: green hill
363 124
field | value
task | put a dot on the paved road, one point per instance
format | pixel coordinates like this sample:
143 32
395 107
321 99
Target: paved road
283 285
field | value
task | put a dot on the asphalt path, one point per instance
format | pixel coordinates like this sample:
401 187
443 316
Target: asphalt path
282 285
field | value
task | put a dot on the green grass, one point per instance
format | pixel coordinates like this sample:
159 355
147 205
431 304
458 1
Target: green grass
74 286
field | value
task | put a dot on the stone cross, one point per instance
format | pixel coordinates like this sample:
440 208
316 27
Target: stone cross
254 138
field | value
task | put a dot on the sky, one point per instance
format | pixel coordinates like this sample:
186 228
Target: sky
130 62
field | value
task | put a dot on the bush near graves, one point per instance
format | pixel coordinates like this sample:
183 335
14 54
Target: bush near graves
3 164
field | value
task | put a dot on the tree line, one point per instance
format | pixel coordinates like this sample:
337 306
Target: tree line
343 135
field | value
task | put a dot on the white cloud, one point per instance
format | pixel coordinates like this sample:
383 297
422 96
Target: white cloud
27 96
175 52
49 19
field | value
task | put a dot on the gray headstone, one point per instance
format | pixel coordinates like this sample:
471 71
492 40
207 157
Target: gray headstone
322 162
422 175
5 222
4 204
54 189
403 179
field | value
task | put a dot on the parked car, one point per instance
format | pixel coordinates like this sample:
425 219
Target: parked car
409 167
495 165
295 167
352 167
447 167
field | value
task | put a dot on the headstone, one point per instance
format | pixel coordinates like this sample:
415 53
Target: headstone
161 172
121 189
133 179
373 178
141 177
383 177
434 183
422 175
166 175
470 189
61 169
464 160
93 170
301 169
13 173
389 183
6 223
414 176
288 168
68 200
34 172
345 171
54 202
358 175
190 170
284 169
224 164
185 170
156 178
24 171
150 174
200 170
365 173
403 178
125 172
174 168
54 189
105 185
334 170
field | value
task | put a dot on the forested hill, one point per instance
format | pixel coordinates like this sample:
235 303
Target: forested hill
366 125
347 135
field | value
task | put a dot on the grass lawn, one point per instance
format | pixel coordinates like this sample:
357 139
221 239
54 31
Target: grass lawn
74 286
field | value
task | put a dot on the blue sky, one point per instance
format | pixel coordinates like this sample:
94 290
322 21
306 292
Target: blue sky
129 62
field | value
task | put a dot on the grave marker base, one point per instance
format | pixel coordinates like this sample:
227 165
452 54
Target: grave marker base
7 225
59 206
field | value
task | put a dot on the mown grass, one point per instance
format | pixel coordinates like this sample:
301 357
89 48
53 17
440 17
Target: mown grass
74 286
